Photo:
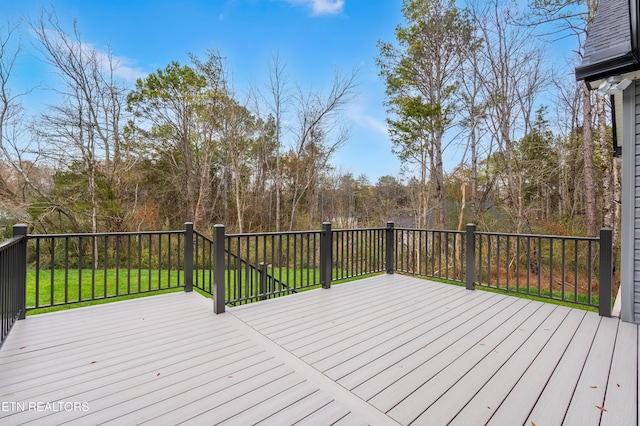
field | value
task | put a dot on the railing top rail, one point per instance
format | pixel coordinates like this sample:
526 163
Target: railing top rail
267 234
102 234
502 234
358 229
10 242
557 237
195 231
450 231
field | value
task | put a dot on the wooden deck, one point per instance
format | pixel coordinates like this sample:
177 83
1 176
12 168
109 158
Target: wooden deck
384 350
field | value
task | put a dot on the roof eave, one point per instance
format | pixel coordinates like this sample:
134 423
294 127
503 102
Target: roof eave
609 67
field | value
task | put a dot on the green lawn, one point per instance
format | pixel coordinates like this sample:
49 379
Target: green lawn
532 294
89 287
73 286
35 311
80 287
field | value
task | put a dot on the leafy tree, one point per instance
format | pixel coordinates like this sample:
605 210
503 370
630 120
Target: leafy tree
540 166
421 74
166 106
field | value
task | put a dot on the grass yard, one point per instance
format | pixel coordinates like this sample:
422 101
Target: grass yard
73 288
59 289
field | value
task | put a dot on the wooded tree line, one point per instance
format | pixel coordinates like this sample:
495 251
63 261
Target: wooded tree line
537 145
182 145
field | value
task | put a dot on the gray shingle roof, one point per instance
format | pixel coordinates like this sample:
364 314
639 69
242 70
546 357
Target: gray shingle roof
609 48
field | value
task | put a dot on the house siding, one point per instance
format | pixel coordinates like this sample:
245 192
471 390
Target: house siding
634 139
630 253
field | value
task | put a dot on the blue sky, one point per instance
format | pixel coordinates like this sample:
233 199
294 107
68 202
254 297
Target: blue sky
313 38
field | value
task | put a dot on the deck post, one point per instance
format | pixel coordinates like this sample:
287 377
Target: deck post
606 272
218 269
262 270
326 255
470 251
188 256
20 230
390 240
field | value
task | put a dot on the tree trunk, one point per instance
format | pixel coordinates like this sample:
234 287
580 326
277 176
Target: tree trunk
617 210
188 175
475 196
203 186
439 185
424 194
463 197
589 185
607 163
237 191
278 184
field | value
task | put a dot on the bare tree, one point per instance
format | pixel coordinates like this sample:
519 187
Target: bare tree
278 103
318 132
83 133
474 107
591 207
10 108
571 18
512 78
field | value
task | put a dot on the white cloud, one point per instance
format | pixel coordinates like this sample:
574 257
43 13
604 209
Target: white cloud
121 65
327 7
357 114
123 70
105 59
376 124
321 7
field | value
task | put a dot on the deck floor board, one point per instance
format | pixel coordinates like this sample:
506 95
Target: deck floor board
552 404
383 350
531 384
618 399
588 400
492 392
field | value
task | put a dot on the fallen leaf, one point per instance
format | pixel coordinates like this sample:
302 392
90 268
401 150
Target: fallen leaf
229 377
23 347
533 424
424 346
593 387
92 362
157 374
618 384
601 408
